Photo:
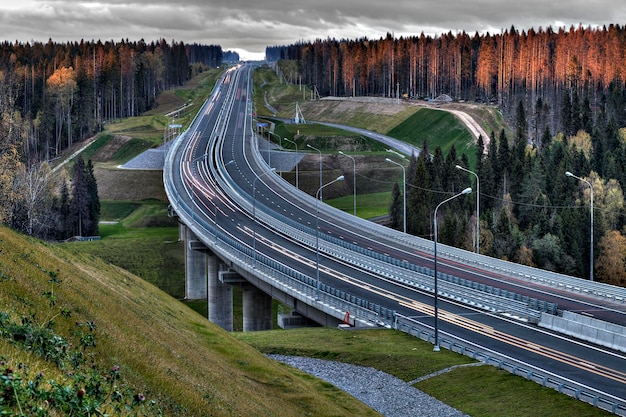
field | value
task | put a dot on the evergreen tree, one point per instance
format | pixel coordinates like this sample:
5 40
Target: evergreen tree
566 113
504 242
576 121
396 210
419 200
94 200
521 133
503 170
79 204
64 226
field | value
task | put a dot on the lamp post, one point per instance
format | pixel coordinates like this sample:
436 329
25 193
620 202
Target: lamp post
297 162
353 178
254 214
403 189
569 174
320 152
317 234
477 206
465 191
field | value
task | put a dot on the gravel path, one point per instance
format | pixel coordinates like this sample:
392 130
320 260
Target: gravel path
388 395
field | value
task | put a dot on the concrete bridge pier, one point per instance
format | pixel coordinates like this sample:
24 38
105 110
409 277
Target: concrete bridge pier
206 278
195 267
220 296
202 281
257 309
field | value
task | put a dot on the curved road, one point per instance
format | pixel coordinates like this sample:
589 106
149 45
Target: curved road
220 147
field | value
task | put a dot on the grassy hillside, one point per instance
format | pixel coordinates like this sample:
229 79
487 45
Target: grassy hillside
78 333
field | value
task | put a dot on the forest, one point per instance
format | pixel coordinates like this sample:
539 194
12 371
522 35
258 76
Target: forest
562 91
54 95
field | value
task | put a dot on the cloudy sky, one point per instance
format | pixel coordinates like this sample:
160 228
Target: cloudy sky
248 26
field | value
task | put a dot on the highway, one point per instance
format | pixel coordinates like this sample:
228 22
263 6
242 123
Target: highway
218 173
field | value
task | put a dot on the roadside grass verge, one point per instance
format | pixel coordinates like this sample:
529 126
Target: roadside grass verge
390 351
489 392
479 391
281 96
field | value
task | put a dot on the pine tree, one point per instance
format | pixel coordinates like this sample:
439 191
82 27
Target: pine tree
419 200
79 203
94 200
396 209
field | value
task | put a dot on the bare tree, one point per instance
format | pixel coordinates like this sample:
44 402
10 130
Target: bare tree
35 189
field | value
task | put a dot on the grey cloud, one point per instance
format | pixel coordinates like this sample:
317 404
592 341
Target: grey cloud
254 25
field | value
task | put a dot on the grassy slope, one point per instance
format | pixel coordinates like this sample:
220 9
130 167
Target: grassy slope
165 350
482 391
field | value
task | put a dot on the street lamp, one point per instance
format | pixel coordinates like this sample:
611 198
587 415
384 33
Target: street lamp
403 189
254 214
353 178
465 191
320 152
297 160
317 234
477 206
569 174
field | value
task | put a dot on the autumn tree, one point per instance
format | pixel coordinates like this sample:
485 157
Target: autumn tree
62 87
12 138
611 265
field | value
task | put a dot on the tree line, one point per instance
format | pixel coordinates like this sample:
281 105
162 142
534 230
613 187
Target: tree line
535 66
531 212
65 92
53 95
563 94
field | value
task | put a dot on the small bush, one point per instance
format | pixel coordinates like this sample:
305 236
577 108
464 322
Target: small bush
84 390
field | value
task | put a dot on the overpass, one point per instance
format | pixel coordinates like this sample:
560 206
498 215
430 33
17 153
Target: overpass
243 225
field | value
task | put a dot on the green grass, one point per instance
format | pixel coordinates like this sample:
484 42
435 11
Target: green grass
488 392
368 206
480 391
180 362
116 210
390 351
436 128
144 241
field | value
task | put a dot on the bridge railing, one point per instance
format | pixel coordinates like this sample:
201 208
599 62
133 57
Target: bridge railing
563 385
287 279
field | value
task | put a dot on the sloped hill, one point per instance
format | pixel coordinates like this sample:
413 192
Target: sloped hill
77 331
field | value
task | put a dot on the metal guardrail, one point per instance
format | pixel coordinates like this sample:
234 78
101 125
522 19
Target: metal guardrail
516 367
287 279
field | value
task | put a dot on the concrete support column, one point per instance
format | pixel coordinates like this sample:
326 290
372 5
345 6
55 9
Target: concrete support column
257 309
195 268
220 296
182 232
